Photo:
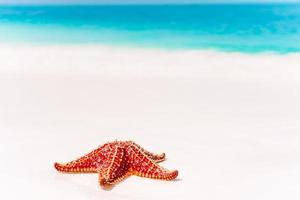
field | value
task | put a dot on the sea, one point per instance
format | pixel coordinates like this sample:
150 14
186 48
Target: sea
248 28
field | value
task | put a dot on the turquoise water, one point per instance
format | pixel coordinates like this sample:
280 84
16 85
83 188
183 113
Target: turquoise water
243 28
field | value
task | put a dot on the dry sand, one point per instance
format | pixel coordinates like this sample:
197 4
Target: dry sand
230 123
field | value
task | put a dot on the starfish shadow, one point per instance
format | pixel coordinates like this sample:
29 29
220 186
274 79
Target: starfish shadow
177 180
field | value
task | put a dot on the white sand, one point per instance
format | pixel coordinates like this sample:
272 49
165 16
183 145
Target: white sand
229 123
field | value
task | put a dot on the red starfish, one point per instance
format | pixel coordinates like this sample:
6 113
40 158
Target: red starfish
114 161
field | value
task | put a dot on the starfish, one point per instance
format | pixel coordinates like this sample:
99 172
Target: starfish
114 161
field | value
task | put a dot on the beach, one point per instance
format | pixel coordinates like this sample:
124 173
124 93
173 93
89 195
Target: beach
229 122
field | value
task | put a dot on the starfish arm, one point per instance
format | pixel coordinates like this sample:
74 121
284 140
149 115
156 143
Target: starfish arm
155 157
73 169
142 165
107 184
84 164
114 168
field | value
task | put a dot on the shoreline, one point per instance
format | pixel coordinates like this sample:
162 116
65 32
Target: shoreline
141 47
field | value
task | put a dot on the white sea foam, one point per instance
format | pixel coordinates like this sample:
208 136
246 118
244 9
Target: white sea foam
137 62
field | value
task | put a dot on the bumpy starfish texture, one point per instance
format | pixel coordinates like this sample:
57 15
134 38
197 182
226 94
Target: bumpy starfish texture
114 161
